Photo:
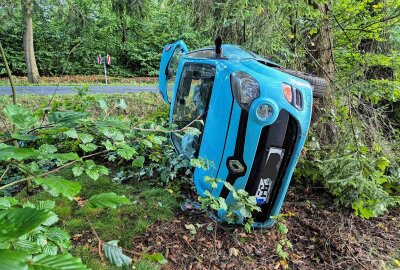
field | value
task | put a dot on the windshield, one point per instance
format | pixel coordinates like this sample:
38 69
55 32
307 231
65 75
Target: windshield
191 103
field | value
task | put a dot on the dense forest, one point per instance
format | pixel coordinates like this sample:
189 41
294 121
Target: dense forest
352 152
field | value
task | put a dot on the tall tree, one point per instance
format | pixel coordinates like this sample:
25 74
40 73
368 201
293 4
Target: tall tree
323 51
30 60
124 9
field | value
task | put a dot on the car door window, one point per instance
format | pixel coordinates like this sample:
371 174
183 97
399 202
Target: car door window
171 71
191 103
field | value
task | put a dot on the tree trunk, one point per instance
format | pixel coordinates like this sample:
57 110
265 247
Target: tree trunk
324 45
321 48
29 52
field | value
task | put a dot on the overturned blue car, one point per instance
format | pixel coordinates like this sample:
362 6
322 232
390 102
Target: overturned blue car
256 118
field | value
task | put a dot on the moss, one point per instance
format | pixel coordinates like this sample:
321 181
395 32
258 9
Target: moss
141 225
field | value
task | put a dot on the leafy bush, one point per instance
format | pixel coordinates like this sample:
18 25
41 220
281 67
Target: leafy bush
354 156
51 141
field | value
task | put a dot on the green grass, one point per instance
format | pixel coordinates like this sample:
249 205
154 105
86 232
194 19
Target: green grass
149 204
139 104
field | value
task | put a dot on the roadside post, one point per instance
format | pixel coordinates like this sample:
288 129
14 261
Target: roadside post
106 61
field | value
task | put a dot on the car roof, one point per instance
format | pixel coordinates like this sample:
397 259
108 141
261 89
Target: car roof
230 51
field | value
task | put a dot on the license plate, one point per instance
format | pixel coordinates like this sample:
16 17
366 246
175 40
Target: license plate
269 175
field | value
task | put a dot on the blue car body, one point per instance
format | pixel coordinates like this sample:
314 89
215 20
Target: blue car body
255 145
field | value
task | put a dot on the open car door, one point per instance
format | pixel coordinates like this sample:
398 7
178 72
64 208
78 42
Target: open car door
171 55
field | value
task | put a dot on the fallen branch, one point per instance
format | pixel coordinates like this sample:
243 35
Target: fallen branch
169 131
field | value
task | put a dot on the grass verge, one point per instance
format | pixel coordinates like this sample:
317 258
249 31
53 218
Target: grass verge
138 104
80 80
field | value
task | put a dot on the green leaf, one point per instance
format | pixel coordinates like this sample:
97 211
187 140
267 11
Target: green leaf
85 138
122 104
11 152
93 170
114 254
90 147
222 203
56 262
71 133
147 143
103 104
102 170
56 185
58 236
66 118
20 116
229 186
382 163
108 145
50 249
126 152
93 173
24 137
26 245
28 204
17 222
138 162
47 148
13 260
77 170
45 205
247 227
53 219
157 139
109 199
281 228
156 257
115 135
7 202
192 131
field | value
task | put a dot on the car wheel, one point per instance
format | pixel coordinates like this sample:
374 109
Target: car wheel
318 84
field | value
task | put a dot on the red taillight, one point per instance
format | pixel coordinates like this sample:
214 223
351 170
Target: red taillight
287 91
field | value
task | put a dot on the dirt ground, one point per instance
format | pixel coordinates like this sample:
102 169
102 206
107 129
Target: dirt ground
323 237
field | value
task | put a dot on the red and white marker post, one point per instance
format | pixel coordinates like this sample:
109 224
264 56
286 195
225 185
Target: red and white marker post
106 61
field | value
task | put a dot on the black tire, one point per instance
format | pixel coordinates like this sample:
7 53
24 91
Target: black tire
318 84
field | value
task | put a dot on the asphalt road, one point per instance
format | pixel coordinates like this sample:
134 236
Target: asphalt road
64 90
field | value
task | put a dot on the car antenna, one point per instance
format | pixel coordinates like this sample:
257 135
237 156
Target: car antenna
218 45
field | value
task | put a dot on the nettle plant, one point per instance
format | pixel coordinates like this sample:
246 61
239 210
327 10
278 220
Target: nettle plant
38 152
244 203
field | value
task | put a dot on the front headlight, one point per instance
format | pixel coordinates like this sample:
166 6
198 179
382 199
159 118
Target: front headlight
245 88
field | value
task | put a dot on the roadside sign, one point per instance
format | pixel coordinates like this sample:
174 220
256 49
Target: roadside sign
105 61
108 60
